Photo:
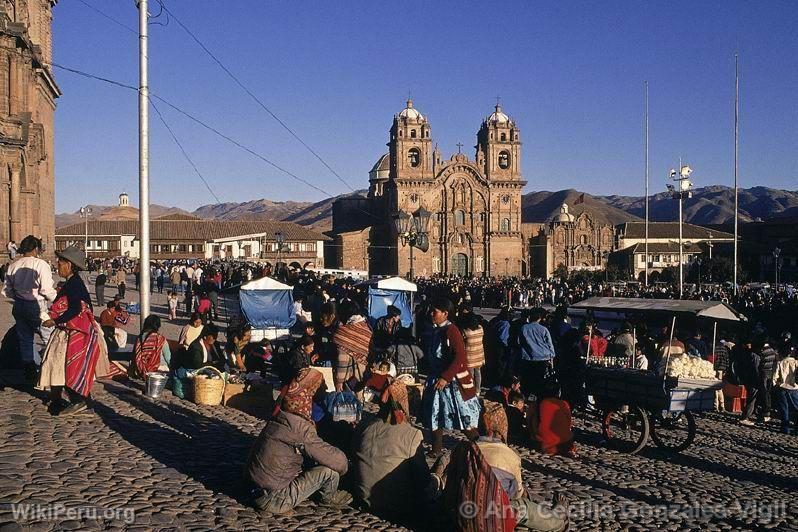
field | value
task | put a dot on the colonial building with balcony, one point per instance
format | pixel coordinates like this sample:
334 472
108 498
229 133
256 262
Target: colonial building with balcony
663 245
187 237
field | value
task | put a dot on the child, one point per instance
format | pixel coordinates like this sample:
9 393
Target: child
172 300
516 418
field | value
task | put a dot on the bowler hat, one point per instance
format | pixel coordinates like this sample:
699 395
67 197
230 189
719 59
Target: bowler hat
73 255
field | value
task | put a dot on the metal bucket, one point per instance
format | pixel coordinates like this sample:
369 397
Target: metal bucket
156 382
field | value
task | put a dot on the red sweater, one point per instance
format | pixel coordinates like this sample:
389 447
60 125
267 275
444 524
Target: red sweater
454 350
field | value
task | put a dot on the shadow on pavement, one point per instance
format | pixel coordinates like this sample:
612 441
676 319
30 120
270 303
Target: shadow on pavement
205 449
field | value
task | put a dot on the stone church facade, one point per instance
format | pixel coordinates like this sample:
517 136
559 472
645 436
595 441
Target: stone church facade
580 241
475 228
27 106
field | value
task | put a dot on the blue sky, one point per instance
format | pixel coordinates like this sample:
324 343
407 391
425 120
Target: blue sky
570 73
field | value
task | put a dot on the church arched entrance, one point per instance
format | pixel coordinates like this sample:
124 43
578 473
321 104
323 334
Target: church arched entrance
460 264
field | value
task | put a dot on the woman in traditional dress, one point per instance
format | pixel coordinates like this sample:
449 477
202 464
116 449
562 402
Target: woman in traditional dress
151 351
75 347
450 398
303 388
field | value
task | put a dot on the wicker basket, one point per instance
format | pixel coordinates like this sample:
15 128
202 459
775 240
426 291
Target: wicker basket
208 391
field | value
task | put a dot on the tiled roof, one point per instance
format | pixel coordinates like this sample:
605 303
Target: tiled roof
657 247
637 230
194 229
177 216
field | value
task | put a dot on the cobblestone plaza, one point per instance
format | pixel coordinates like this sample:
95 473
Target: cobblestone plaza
136 464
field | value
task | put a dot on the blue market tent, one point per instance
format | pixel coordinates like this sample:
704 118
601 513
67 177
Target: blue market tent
267 303
391 291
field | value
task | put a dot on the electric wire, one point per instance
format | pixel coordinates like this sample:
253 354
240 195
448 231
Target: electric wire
109 17
252 95
210 128
185 154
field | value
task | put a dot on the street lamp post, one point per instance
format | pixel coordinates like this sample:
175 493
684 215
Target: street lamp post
85 212
680 192
413 229
776 253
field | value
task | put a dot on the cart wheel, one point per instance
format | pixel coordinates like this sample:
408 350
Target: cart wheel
626 429
674 431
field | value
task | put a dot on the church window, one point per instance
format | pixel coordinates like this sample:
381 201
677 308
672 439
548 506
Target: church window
459 217
412 133
583 239
414 198
504 160
482 217
400 132
505 225
414 157
504 136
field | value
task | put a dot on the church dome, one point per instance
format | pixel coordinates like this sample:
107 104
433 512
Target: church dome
381 168
499 116
410 112
564 215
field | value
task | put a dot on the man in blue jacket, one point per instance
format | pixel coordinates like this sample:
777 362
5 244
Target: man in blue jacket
536 354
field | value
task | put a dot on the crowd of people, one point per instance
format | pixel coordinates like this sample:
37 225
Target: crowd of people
515 379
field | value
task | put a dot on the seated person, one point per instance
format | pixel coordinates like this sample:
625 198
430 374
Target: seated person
283 365
491 490
203 351
352 340
256 355
385 331
550 423
406 353
110 320
390 471
151 350
190 331
325 330
238 340
276 463
501 392
516 418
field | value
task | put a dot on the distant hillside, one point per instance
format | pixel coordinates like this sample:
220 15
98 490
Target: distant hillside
543 206
315 215
106 212
713 205
708 206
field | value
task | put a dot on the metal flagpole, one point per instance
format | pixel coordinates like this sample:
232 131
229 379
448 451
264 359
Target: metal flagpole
144 166
646 143
736 146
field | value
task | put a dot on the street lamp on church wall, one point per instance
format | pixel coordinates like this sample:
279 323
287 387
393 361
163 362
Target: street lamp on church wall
413 230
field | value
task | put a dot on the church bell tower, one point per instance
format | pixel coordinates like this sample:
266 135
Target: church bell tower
499 147
410 145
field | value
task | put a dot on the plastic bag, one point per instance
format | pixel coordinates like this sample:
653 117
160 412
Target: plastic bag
344 406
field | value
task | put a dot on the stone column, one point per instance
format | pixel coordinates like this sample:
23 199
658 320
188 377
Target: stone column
14 203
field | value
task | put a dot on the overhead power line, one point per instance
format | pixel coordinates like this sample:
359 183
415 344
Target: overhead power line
185 154
208 127
252 95
109 17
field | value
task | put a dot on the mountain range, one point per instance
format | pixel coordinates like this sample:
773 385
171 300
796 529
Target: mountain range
709 205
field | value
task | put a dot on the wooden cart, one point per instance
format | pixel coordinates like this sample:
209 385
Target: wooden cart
635 405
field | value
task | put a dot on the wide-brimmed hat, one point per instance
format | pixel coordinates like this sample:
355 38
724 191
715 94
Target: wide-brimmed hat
73 255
